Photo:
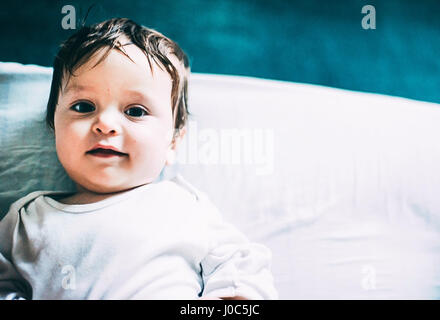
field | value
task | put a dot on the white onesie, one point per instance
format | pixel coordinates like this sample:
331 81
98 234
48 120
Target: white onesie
163 240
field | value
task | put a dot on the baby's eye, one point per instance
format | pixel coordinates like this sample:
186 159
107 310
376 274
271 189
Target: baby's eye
136 112
82 107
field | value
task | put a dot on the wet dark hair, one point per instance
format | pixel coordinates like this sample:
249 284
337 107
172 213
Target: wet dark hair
82 45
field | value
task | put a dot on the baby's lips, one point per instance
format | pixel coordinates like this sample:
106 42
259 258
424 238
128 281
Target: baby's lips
100 148
107 151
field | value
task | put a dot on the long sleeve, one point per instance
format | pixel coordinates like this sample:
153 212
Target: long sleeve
12 284
234 266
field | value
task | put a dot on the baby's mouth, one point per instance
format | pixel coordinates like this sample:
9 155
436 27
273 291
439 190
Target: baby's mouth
106 152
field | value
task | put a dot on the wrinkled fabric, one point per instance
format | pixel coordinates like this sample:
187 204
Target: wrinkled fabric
342 186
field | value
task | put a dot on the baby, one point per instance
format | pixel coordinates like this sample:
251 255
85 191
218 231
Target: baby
118 107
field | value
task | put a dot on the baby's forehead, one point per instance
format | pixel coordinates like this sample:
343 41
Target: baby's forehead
130 67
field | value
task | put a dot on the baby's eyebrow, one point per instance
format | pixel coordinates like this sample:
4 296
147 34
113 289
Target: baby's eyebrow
136 94
76 87
145 98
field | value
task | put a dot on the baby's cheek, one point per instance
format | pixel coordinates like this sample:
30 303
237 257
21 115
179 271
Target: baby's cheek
145 153
149 147
154 154
70 142
71 133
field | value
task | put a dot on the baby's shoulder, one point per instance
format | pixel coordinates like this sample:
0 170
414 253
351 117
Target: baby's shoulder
190 195
10 219
181 185
185 188
26 200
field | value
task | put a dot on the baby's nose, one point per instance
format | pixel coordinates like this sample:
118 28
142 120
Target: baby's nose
105 131
106 124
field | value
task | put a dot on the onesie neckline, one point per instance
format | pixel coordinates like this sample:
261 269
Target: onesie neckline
83 208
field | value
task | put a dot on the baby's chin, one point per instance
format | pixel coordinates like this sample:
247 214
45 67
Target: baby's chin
108 188
112 181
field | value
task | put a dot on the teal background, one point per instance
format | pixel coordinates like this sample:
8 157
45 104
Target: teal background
311 41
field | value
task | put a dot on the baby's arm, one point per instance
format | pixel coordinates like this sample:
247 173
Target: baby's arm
12 285
235 268
10 281
240 270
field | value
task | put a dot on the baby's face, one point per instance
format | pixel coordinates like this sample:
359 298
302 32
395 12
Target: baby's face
120 104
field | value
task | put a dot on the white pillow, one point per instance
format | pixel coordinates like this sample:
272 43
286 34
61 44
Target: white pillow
341 186
28 160
351 208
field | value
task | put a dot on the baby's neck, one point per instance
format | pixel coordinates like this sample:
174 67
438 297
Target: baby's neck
84 198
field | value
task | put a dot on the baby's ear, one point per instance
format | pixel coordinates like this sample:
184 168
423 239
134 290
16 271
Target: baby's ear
178 136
